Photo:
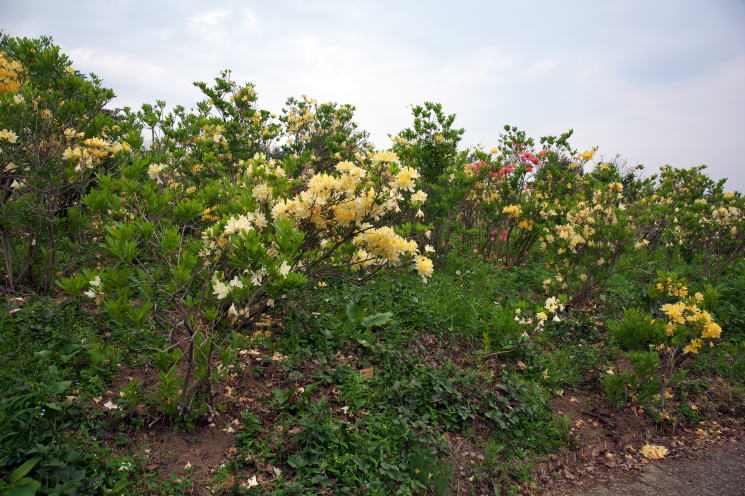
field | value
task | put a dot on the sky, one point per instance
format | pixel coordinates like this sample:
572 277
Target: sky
652 82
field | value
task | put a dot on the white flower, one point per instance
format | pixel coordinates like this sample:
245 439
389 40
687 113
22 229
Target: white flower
110 405
257 276
90 294
221 289
284 269
419 196
96 282
153 171
234 312
236 282
252 482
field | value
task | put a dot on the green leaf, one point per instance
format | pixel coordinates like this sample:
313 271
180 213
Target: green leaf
377 319
24 469
25 487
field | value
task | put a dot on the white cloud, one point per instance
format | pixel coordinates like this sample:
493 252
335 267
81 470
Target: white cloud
208 20
251 22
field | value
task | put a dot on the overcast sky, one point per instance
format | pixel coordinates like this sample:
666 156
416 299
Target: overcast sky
654 81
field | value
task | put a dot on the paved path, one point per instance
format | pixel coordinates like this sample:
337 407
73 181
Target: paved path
717 473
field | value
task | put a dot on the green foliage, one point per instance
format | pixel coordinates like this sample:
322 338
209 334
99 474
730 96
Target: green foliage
641 383
637 330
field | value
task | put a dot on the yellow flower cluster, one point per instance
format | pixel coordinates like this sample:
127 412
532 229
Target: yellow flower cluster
385 156
672 287
10 74
653 452
92 151
587 155
513 210
8 136
404 180
727 215
687 313
383 242
348 202
424 266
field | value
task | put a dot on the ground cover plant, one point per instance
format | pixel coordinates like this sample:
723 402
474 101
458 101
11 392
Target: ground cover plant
227 300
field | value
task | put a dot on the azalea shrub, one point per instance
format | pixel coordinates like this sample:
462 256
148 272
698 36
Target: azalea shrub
430 145
516 191
199 240
55 136
596 231
659 343
695 215
321 135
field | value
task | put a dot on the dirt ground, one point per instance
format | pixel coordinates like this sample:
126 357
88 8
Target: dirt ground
701 462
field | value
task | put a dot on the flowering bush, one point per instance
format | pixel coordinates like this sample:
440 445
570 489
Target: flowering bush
694 214
200 239
515 188
593 231
321 135
54 137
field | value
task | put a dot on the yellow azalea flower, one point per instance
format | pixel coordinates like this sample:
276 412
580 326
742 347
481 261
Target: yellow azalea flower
693 346
220 289
8 136
10 74
154 170
404 180
587 155
654 452
424 266
386 156
419 197
513 210
711 330
261 192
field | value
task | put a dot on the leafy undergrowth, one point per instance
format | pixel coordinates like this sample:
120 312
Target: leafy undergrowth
397 388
